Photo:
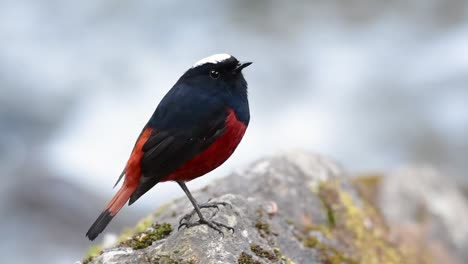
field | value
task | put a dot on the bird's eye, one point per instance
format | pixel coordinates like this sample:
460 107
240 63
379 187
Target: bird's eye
214 74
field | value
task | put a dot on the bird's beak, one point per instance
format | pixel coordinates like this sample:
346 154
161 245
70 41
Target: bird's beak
241 66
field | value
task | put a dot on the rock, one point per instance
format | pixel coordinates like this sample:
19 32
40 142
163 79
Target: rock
292 208
429 203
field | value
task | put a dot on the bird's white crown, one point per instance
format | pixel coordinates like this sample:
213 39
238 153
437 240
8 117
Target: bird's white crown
212 59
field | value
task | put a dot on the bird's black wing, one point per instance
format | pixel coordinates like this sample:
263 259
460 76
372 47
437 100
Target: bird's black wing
168 149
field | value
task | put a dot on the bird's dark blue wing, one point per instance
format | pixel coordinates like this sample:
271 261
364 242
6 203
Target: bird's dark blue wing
182 127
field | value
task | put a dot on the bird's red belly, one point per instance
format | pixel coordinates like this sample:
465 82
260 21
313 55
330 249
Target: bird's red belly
213 156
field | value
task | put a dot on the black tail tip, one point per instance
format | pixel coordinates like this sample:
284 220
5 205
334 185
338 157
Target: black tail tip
99 225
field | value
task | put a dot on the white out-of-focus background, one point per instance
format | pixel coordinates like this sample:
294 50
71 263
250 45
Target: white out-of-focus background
373 84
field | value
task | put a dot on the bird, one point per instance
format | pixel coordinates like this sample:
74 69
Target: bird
195 128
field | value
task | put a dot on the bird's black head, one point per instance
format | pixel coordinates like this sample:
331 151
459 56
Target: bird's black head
219 74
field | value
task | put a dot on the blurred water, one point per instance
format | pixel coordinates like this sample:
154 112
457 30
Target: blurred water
372 84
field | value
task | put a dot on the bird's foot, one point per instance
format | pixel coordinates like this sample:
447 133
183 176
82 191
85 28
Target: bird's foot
216 205
185 221
210 223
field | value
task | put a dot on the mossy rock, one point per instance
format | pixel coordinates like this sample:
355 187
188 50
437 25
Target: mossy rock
356 232
284 212
147 237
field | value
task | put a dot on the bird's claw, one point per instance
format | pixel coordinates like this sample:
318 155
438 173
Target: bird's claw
212 224
185 218
204 205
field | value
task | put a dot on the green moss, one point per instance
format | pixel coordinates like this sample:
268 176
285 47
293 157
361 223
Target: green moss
166 259
143 224
368 187
163 259
87 260
262 253
137 237
93 252
127 234
310 241
359 233
282 257
245 258
328 210
322 229
330 217
260 212
263 228
327 254
146 238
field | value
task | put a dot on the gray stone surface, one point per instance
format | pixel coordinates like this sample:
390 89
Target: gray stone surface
292 208
271 191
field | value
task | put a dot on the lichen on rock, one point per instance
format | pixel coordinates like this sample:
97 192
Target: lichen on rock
358 234
263 253
146 238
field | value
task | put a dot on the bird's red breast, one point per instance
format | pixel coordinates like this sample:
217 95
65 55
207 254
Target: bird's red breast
215 155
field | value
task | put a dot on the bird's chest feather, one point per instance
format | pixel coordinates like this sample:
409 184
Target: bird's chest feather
215 155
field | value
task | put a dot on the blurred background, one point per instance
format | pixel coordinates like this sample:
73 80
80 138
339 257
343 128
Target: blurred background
373 84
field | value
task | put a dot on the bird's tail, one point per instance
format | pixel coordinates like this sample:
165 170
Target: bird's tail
112 208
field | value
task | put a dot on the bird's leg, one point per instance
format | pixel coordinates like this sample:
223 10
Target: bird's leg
202 221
